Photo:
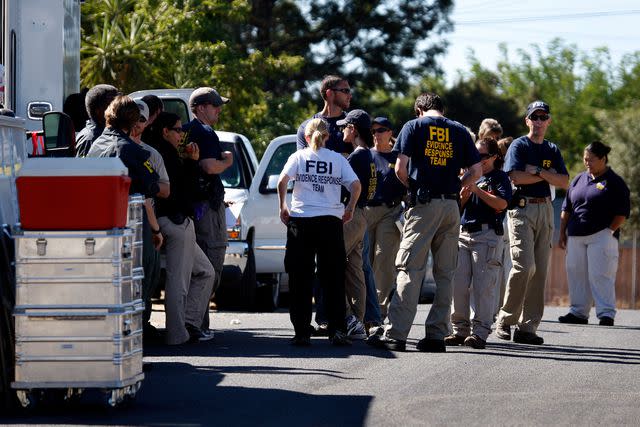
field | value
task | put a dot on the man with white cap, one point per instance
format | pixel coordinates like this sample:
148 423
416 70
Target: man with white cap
533 164
210 218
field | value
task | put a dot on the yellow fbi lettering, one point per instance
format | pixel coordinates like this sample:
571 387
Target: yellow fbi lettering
546 164
147 164
438 148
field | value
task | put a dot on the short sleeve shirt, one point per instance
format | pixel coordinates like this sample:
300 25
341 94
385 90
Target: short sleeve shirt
546 155
593 202
476 211
362 163
335 141
319 177
157 162
389 187
210 148
438 148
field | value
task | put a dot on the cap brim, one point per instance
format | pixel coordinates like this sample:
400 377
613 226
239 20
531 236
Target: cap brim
537 109
342 122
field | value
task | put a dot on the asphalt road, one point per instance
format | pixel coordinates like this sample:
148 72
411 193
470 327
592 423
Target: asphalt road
249 375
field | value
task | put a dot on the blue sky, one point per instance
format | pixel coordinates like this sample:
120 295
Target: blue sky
482 25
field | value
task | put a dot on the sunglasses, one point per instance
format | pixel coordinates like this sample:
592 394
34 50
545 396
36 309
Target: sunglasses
343 127
379 130
343 90
484 156
541 117
142 120
179 130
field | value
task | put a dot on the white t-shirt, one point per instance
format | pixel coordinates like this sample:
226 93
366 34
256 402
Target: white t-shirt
319 177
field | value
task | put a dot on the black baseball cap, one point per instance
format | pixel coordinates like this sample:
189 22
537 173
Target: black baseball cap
383 121
538 105
206 95
360 118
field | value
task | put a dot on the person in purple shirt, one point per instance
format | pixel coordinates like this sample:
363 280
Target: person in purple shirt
595 208
533 164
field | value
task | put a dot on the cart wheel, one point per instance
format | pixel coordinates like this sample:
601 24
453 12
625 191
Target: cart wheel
28 398
112 398
72 395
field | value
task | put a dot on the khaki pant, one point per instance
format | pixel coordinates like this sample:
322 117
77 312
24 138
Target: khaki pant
190 278
211 235
530 234
592 264
354 285
384 241
476 283
434 226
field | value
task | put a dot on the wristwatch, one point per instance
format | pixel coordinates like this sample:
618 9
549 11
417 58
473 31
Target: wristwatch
538 170
155 231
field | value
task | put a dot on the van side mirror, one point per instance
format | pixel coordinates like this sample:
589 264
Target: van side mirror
59 135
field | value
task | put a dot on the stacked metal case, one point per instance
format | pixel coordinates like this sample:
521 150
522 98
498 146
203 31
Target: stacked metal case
79 306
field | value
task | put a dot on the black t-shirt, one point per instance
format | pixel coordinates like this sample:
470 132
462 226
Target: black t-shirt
335 141
210 185
362 163
438 148
183 175
389 188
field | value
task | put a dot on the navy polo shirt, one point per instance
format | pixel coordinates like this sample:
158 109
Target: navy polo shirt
361 162
389 188
211 187
438 149
476 211
593 202
546 155
335 141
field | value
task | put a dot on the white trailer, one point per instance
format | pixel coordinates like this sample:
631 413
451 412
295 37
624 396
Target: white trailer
40 56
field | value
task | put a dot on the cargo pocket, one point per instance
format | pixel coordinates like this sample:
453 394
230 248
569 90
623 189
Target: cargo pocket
494 256
403 257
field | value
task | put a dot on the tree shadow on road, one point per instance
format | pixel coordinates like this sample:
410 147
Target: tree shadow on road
177 394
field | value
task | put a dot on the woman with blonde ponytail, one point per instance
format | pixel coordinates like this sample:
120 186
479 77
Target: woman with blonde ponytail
319 134
314 231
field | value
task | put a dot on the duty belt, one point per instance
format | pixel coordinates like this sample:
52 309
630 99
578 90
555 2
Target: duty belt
475 227
535 200
391 204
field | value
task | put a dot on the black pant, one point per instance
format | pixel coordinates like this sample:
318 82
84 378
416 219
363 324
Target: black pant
309 239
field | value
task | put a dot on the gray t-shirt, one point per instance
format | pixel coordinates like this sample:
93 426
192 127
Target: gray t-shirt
157 163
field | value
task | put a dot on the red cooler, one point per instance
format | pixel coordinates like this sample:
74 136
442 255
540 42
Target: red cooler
73 193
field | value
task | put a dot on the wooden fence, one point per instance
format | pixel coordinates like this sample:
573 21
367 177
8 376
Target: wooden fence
557 293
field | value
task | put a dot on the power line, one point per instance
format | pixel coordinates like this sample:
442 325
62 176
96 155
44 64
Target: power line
549 17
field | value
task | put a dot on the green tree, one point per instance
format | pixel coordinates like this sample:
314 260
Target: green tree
377 44
622 132
163 44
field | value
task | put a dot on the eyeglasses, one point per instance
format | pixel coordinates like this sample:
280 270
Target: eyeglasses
379 130
179 130
344 90
541 117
